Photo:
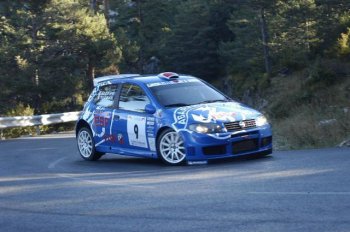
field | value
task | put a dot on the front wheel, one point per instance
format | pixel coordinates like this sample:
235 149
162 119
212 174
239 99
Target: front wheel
86 145
170 147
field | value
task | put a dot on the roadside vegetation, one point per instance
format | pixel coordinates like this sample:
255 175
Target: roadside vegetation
289 59
302 119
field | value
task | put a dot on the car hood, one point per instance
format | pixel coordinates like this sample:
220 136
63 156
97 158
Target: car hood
218 112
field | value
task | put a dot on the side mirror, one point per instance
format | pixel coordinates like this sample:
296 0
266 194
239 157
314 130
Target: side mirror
150 109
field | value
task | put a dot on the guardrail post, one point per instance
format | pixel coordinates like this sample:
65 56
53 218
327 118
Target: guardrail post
2 134
37 130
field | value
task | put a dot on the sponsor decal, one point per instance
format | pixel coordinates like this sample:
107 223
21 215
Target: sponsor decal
241 124
197 162
152 144
111 138
92 95
150 132
100 121
120 138
212 114
183 116
180 115
150 123
106 95
104 83
102 133
171 82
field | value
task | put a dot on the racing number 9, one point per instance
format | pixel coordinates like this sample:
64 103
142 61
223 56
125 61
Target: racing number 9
136 130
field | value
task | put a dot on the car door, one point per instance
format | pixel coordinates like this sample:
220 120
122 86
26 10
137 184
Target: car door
135 129
105 104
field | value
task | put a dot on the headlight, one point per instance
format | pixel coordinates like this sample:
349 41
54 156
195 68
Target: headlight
261 120
206 128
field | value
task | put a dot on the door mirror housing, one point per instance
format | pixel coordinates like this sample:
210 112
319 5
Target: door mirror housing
150 109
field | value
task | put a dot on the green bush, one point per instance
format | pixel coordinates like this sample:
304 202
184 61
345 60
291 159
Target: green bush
321 74
19 110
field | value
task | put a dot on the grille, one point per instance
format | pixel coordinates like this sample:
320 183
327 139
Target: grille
234 126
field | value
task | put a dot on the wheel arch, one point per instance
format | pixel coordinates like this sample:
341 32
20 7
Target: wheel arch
160 131
80 124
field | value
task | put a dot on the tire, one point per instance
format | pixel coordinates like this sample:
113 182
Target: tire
86 145
170 147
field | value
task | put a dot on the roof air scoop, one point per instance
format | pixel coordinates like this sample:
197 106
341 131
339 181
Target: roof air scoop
168 75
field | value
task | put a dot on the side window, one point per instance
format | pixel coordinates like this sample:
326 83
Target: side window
105 95
133 98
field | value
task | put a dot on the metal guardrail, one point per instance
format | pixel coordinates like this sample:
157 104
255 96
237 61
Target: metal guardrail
37 120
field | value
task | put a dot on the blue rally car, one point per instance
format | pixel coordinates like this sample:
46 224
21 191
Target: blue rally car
177 118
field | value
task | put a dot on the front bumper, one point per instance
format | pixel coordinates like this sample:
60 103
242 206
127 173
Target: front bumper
224 145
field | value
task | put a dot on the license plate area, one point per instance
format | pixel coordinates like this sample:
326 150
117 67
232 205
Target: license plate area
245 146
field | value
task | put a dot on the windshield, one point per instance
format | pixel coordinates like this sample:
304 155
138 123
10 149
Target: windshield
187 93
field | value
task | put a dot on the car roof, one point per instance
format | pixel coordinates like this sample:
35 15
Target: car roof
146 79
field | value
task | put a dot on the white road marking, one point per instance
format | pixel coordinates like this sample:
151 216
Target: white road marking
36 149
54 163
49 136
101 182
82 178
300 193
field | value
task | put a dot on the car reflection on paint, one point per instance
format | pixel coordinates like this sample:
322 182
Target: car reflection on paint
176 118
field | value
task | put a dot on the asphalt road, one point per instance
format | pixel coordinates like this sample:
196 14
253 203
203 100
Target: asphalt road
46 186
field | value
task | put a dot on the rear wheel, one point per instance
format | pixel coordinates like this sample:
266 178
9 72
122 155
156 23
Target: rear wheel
170 147
86 145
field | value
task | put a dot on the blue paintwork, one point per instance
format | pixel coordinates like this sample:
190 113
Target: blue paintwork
111 135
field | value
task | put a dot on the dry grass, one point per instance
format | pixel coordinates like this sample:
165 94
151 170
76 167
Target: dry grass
308 117
312 128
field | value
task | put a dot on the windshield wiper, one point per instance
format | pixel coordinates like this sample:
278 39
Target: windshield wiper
177 105
211 101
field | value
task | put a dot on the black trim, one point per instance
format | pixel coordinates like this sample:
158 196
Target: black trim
214 150
245 146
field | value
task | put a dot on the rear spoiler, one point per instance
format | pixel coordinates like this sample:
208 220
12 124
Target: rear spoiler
111 77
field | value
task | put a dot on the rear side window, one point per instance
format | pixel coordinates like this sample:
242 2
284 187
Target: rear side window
105 95
133 98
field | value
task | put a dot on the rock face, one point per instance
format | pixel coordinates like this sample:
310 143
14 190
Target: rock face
327 122
345 143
